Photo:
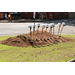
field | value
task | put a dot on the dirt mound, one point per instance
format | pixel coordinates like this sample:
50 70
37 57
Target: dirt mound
25 41
0 41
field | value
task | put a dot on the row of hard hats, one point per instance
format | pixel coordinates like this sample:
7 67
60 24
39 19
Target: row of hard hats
50 25
61 24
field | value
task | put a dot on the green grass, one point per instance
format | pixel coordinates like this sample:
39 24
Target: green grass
60 52
5 37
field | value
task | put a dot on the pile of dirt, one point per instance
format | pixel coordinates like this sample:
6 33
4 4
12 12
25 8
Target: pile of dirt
0 41
24 40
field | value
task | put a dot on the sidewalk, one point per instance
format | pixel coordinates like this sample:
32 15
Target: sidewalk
22 20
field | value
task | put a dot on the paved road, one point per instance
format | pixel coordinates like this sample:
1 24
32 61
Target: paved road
20 28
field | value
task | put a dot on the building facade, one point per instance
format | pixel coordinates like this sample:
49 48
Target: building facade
29 15
71 14
39 15
45 15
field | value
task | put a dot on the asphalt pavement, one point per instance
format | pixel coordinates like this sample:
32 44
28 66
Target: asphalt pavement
13 28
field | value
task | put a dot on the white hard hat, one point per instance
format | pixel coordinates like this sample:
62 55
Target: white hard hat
50 25
38 24
33 25
43 26
59 24
53 24
29 26
46 25
63 23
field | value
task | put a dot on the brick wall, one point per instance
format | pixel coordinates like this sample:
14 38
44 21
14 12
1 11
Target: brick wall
28 15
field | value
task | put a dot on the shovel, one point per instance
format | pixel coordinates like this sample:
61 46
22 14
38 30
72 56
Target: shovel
46 29
63 24
38 25
30 32
43 26
59 24
41 33
53 28
50 31
33 30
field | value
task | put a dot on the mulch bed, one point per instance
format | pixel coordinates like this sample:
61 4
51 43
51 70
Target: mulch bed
25 41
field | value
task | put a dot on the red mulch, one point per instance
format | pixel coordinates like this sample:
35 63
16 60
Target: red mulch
25 41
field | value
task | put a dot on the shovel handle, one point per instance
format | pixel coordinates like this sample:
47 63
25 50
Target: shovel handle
33 30
30 34
41 32
37 30
62 28
53 30
46 31
58 30
49 30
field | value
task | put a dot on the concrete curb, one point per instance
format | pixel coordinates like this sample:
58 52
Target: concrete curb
72 60
20 21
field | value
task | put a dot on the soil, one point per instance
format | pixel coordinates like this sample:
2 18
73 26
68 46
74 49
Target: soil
24 40
0 41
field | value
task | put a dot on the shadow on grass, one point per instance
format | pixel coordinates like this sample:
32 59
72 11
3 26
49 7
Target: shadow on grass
44 45
36 46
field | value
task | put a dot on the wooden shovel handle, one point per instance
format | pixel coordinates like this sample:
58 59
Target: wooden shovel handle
58 30
42 31
46 31
33 30
62 28
49 30
53 30
37 30
30 32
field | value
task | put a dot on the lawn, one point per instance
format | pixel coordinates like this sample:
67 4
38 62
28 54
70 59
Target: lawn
60 52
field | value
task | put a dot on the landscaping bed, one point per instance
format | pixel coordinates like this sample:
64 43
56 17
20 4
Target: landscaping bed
25 41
